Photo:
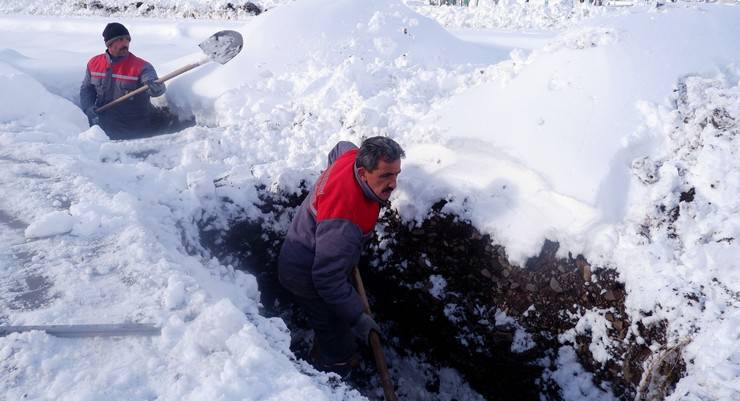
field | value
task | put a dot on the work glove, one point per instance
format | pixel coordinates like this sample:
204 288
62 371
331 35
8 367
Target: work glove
155 88
92 116
361 329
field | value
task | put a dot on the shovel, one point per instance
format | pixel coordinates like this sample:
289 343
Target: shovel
87 330
385 377
221 47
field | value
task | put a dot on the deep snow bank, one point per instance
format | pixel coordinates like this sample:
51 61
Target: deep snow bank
552 148
511 14
303 51
26 103
110 238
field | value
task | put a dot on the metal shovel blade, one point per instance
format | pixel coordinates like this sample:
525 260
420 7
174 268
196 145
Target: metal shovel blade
87 330
222 46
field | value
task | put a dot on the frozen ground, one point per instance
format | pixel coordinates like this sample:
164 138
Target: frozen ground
578 136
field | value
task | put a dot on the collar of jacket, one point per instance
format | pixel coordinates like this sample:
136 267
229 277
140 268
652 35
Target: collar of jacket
366 189
115 60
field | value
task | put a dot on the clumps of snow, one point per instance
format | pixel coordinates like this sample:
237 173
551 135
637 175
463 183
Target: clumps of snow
175 293
438 286
453 312
676 250
418 379
583 38
592 324
50 224
575 383
452 387
229 9
510 14
523 341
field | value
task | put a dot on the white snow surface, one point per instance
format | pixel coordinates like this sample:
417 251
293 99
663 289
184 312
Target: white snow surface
528 144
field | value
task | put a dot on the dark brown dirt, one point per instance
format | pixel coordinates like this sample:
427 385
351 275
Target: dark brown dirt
546 298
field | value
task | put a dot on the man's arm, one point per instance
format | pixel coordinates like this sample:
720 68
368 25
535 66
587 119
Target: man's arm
338 150
338 247
148 77
88 96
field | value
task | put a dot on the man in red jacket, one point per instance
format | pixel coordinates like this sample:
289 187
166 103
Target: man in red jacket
113 74
325 240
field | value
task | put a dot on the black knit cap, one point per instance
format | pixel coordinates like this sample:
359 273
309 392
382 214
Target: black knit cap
113 31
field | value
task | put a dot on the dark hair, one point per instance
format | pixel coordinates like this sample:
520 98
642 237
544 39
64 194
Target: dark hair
376 148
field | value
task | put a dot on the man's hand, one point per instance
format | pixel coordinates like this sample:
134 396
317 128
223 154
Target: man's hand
155 88
363 326
92 116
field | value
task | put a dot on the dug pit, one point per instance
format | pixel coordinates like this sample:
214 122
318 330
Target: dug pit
446 294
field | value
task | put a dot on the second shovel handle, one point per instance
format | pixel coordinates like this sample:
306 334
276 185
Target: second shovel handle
145 87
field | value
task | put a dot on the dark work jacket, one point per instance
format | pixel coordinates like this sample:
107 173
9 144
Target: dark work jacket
108 78
327 234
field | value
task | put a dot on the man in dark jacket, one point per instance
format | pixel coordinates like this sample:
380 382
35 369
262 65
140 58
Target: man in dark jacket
113 74
325 240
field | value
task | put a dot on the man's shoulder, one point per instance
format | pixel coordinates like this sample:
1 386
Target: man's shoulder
97 60
137 60
342 197
340 149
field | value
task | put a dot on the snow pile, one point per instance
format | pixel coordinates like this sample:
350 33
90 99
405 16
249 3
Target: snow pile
547 155
111 239
26 104
677 253
350 50
576 383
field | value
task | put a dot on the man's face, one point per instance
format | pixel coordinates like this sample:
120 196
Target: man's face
382 180
119 47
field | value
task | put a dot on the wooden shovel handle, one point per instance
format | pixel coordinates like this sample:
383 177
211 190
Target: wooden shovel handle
145 87
385 377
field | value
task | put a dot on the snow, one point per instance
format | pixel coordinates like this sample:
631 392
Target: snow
438 286
575 179
576 134
577 384
511 14
50 224
594 324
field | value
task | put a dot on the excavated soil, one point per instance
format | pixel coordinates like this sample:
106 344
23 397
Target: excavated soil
455 324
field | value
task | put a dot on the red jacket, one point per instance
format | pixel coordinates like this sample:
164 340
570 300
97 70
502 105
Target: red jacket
325 238
108 78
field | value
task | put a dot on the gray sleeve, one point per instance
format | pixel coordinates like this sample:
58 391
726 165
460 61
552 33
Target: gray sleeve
340 149
148 76
88 96
338 248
